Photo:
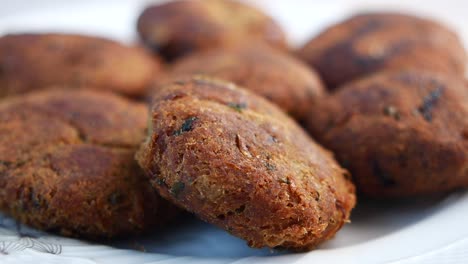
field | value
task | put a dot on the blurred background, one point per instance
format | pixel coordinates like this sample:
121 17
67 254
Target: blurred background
301 18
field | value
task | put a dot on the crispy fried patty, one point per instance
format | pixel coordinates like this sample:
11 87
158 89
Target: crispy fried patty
30 62
67 164
180 27
400 134
237 161
278 77
371 42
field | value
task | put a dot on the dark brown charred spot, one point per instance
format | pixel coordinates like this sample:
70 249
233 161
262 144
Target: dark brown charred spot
115 198
238 106
221 217
186 126
465 134
170 51
240 209
176 95
383 176
346 49
429 102
155 47
329 125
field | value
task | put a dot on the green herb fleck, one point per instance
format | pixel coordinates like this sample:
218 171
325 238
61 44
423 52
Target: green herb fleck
35 200
429 103
186 126
384 177
392 112
274 139
177 188
270 166
286 180
238 106
317 196
160 181
345 163
5 163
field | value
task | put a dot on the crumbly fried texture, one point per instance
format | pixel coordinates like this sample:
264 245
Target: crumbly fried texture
67 164
180 27
278 77
30 62
371 42
238 162
400 134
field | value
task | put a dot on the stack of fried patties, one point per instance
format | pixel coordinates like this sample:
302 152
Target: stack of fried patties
224 139
397 113
70 125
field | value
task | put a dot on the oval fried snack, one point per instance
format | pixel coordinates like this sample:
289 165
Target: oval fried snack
371 42
237 161
67 164
400 134
177 28
30 62
282 79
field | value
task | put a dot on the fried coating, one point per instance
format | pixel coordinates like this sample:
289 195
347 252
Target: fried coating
177 28
237 161
278 77
400 134
371 42
67 164
30 62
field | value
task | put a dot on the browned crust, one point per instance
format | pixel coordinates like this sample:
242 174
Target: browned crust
238 162
370 42
178 28
30 62
278 77
67 164
400 134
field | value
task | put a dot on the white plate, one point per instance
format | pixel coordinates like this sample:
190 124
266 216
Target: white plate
433 228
